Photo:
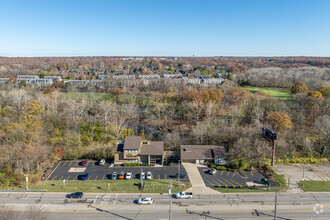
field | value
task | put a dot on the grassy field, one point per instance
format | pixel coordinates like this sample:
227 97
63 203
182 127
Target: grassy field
277 93
116 186
315 186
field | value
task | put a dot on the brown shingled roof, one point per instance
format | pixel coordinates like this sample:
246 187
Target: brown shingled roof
154 148
194 152
132 143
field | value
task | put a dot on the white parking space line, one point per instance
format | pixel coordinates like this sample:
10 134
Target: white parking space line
95 199
114 202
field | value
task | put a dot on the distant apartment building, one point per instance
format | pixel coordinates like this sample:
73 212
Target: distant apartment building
4 80
26 78
172 76
191 80
123 77
213 81
43 81
53 78
153 76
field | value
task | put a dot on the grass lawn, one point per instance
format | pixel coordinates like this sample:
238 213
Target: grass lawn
277 93
315 186
116 186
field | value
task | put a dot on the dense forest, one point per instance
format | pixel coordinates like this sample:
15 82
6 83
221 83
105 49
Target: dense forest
42 125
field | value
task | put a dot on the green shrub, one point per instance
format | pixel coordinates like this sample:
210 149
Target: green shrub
233 186
225 186
230 169
240 186
254 186
212 165
248 169
247 186
221 168
131 164
324 160
219 185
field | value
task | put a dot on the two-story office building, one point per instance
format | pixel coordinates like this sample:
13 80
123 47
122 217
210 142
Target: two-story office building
136 150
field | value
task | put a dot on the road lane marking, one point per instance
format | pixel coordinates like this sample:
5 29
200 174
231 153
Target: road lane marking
103 177
96 177
234 174
216 183
93 164
65 163
68 178
70 163
75 178
251 173
76 163
61 177
227 173
209 182
222 172
235 182
89 177
158 176
114 202
54 177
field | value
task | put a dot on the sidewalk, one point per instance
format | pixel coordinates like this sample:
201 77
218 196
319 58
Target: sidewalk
197 183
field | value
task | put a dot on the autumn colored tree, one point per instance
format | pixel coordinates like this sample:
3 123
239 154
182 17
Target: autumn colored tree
299 87
325 90
49 90
58 84
279 121
12 80
315 94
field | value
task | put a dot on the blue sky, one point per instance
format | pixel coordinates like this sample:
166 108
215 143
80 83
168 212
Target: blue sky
164 28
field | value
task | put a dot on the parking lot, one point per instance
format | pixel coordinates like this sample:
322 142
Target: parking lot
72 170
228 178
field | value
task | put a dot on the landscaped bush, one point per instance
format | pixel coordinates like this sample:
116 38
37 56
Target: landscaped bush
254 186
248 169
131 164
221 168
225 186
230 169
233 186
219 185
240 186
212 165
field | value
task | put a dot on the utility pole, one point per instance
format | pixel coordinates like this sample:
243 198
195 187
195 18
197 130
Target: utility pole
273 154
303 179
170 193
179 172
275 216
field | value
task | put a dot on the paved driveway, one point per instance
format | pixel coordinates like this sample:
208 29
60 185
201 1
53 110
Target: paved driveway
71 170
228 178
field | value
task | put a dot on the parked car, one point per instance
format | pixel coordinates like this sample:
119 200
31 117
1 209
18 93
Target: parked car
76 195
128 176
184 195
121 176
145 201
114 176
142 176
182 176
149 176
84 162
84 176
212 171
102 162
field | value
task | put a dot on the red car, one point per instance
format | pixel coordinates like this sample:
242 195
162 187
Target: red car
84 162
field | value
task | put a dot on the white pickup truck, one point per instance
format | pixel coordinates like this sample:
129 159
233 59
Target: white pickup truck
184 195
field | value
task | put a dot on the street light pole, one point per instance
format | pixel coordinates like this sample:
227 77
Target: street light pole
303 178
170 193
273 154
179 172
275 216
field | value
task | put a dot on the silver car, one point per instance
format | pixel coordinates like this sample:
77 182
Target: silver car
149 176
102 162
145 201
128 176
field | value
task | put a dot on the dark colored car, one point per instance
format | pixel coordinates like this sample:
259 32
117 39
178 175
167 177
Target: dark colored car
182 176
76 195
84 177
84 162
